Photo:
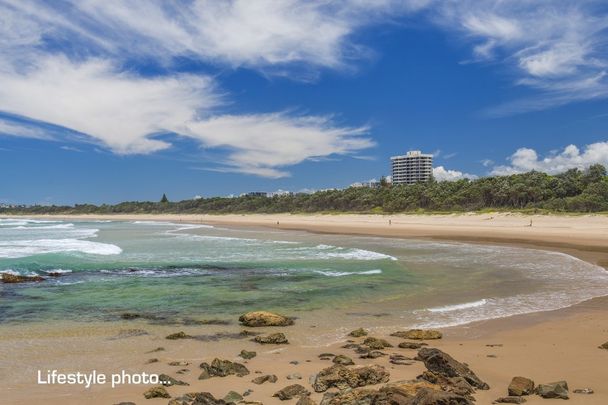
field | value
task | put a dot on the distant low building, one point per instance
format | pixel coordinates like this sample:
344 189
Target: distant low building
411 168
373 183
279 193
256 194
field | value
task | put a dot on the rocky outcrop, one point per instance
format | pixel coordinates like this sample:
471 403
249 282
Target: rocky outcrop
178 335
168 381
18 278
395 394
263 318
604 346
272 339
156 392
271 378
197 398
521 386
291 391
343 360
443 364
222 368
376 343
342 377
305 400
557 389
233 397
418 334
411 345
247 355
510 400
358 333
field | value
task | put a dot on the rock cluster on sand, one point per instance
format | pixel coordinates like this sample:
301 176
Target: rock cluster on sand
156 392
273 338
247 355
343 360
418 334
271 378
263 318
291 391
222 368
18 278
557 389
358 333
443 364
197 398
168 381
178 335
521 386
376 344
343 377
411 345
403 393
510 400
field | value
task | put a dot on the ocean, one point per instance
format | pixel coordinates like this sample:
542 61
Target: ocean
170 272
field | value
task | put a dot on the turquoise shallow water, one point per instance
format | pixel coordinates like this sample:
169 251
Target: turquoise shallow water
183 271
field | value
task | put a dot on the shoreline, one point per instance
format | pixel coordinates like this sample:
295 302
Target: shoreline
545 346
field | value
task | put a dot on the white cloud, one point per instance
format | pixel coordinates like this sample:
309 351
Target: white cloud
124 112
440 173
261 143
24 131
571 157
556 47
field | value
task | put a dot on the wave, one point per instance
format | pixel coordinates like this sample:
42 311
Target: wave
348 273
33 228
457 307
25 248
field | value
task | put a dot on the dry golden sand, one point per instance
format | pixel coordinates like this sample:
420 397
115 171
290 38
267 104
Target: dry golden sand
545 346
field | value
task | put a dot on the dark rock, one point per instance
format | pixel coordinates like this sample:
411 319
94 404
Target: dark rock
400 360
343 360
233 396
157 392
418 334
427 396
457 385
197 398
294 362
604 346
158 349
130 315
327 356
442 363
273 338
247 355
305 400
182 371
557 389
510 400
343 377
18 278
271 378
376 343
587 391
294 376
150 361
291 391
521 386
222 368
168 381
263 318
411 345
358 333
372 354
178 363
178 335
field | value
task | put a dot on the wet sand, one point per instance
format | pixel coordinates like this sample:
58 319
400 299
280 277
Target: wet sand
546 347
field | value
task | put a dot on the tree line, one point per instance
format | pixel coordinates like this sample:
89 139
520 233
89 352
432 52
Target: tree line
571 191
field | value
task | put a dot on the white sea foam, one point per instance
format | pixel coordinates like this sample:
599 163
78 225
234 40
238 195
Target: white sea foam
347 273
457 307
355 254
23 248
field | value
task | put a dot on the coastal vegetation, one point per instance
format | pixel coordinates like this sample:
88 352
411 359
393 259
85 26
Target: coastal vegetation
571 191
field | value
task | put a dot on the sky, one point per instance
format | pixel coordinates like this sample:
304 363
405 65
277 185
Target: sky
104 101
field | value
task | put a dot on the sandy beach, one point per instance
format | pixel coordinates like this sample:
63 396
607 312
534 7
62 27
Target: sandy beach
545 347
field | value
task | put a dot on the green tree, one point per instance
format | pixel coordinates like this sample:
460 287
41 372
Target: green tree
164 200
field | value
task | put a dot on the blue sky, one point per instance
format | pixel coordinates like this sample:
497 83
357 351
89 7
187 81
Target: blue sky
104 101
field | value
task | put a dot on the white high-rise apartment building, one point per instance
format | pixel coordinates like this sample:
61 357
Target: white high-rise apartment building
413 167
